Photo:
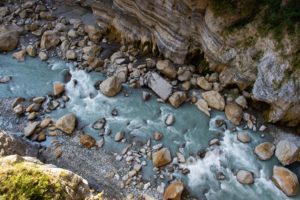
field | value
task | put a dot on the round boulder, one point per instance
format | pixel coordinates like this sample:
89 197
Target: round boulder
111 86
264 151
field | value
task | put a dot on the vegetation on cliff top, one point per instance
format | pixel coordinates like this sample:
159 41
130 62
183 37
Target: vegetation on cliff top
28 183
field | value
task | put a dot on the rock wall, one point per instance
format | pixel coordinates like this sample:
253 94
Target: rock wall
178 28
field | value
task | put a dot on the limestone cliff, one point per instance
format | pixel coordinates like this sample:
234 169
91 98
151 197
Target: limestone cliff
232 34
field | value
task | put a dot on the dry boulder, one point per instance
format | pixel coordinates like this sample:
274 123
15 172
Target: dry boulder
214 99
177 98
174 191
234 113
161 158
66 123
264 151
111 86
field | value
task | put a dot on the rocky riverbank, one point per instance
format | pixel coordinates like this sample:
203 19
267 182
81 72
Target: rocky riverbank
36 30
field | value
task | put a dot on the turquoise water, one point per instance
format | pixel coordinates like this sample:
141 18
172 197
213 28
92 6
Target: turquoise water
191 132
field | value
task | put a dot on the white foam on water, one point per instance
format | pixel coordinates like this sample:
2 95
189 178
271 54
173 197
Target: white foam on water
227 158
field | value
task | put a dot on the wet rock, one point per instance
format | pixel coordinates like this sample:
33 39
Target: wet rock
87 141
245 177
265 150
234 113
5 79
181 158
49 39
45 122
30 128
93 32
17 101
285 180
66 123
18 110
146 95
99 124
287 152
58 88
214 141
157 136
177 98
161 158
43 56
114 112
9 38
41 137
170 119
214 100
71 55
203 106
119 136
203 83
20 55
243 137
167 68
159 85
91 51
111 86
174 191
32 116
241 101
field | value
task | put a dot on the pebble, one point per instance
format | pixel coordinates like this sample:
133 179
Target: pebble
170 119
119 136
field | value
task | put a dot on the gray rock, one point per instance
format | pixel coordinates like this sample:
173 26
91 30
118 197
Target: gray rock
243 137
245 177
170 119
119 136
159 85
287 152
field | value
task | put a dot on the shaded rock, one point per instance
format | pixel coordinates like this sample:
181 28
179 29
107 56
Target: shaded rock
214 100
87 141
31 51
177 98
20 55
167 68
170 119
243 137
265 150
159 85
146 95
111 86
234 113
203 106
285 180
174 191
203 83
245 177
161 158
49 39
58 88
93 32
287 152
30 128
66 123
9 38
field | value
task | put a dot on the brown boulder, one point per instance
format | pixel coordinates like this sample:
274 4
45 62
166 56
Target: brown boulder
177 98
214 99
9 38
49 39
66 123
87 141
167 68
234 113
111 86
161 158
174 191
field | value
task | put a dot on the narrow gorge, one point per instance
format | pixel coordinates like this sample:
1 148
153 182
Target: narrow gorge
164 99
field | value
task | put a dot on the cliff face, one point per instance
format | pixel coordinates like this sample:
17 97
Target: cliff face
178 28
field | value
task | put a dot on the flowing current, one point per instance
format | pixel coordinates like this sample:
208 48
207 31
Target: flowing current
191 132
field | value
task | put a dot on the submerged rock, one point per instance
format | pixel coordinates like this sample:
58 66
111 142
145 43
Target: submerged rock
111 86
285 180
66 123
174 191
245 177
214 100
287 152
161 157
234 113
265 150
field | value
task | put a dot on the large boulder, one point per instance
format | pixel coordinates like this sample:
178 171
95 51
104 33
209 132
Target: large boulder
174 191
66 123
167 68
264 151
87 141
214 99
234 113
159 85
203 106
49 39
28 178
287 152
161 158
285 180
111 86
177 98
9 38
93 32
